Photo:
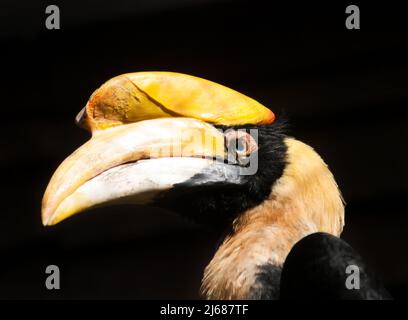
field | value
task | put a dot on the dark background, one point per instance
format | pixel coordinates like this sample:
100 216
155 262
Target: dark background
345 93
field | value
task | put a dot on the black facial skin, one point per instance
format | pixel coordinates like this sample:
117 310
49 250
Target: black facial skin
217 203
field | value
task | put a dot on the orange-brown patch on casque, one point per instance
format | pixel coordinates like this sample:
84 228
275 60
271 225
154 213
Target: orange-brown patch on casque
304 200
120 101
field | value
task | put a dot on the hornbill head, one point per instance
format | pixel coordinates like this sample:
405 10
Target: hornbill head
211 154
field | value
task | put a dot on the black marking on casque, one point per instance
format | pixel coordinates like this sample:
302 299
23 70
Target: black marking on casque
266 285
316 269
216 204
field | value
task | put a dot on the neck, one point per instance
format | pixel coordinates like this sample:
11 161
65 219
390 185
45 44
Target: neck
303 201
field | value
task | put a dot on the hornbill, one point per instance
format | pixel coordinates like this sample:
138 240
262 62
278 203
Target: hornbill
211 154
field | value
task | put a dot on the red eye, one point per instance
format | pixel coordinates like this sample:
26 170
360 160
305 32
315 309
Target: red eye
240 142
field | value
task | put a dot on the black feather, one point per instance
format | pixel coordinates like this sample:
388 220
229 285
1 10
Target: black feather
316 269
267 282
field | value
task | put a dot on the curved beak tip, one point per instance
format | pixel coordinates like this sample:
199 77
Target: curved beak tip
46 218
45 223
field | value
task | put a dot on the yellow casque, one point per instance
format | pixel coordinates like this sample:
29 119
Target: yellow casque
140 96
